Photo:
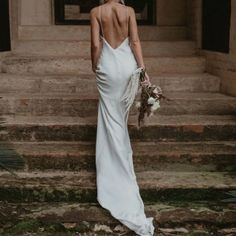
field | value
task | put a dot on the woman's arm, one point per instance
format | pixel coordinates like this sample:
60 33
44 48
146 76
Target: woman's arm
95 39
135 41
134 38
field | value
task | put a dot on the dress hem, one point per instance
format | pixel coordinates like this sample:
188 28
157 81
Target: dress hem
146 229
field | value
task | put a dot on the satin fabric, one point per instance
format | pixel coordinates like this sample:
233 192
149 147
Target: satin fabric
117 188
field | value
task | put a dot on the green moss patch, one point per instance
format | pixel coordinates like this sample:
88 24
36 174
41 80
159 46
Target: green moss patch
38 228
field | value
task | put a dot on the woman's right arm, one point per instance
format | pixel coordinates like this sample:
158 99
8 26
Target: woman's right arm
135 42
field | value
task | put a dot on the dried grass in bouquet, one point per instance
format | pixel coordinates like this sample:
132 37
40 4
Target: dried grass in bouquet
150 97
149 102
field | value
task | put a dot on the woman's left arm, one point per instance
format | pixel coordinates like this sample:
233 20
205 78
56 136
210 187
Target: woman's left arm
95 39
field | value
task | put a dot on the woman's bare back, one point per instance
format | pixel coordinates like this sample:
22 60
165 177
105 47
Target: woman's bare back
114 23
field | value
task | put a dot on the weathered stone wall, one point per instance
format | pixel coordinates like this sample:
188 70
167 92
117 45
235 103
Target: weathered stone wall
221 64
194 21
29 13
14 21
171 12
34 16
2 56
34 12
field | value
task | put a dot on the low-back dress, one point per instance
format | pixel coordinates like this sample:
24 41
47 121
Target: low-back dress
117 188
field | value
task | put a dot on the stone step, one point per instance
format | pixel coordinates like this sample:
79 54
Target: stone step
87 105
158 156
155 186
82 48
82 32
86 84
74 66
156 128
192 218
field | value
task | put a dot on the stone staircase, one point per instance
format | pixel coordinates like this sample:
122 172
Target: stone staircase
184 156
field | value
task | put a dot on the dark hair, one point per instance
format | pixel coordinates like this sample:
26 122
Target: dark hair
121 1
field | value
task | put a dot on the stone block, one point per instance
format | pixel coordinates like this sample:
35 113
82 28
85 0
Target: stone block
35 12
171 12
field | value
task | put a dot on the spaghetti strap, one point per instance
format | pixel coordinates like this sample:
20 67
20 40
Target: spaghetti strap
100 19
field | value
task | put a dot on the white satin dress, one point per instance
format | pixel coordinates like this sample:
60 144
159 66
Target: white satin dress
117 188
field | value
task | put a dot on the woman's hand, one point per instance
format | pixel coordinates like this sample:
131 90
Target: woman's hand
94 68
146 81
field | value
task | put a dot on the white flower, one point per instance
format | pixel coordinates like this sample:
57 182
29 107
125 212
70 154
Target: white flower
155 90
155 106
151 100
138 104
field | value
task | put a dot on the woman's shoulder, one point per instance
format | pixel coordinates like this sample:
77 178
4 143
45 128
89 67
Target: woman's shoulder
94 10
131 9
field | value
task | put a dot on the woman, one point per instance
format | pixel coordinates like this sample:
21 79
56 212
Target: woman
116 53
